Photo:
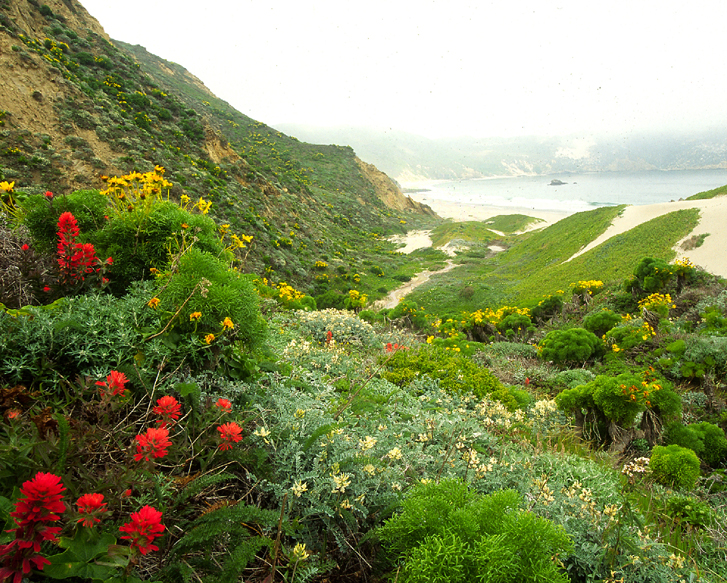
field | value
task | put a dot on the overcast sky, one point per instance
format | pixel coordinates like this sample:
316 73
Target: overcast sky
446 67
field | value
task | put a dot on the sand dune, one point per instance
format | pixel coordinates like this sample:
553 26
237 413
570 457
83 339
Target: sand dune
711 255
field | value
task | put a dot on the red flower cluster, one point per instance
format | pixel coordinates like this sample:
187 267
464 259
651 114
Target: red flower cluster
76 260
224 405
394 347
229 433
90 506
154 442
115 382
144 527
169 409
40 504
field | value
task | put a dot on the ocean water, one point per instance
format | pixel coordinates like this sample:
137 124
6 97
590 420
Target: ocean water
582 191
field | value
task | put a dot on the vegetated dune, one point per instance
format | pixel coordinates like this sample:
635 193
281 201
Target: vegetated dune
710 255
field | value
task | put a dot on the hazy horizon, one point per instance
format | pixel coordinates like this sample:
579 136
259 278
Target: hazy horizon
446 69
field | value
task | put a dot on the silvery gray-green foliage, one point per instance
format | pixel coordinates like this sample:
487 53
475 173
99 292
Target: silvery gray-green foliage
345 327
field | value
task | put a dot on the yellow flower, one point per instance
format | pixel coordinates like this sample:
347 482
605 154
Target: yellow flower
195 316
209 338
153 303
394 454
299 552
7 186
227 323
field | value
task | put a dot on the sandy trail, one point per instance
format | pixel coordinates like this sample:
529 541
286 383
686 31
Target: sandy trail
395 296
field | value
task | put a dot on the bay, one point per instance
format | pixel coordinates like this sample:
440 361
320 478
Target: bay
581 191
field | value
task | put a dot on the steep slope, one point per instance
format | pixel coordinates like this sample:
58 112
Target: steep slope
76 106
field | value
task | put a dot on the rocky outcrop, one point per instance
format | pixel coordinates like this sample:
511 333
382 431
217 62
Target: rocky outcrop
389 193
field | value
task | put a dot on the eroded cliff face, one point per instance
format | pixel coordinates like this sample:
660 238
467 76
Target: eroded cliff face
389 193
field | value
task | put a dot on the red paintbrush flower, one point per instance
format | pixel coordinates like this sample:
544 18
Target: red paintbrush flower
168 408
229 433
40 503
154 442
224 405
90 506
144 527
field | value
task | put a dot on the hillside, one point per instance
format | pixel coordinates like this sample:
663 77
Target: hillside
411 158
77 106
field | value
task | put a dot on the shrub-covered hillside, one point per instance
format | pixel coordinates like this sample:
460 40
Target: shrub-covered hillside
83 107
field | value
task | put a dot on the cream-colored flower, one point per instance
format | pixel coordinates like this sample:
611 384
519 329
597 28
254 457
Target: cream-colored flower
367 443
342 482
298 488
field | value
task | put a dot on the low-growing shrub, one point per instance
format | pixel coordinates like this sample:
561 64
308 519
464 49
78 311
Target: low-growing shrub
601 322
455 373
674 466
446 533
574 346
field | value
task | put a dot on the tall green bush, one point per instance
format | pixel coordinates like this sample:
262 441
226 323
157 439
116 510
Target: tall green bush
202 292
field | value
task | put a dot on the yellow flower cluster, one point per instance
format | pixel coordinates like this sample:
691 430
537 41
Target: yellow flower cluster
321 265
7 186
358 300
589 286
657 300
288 293
134 189
492 316
684 262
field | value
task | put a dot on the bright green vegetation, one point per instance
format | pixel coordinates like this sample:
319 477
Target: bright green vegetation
510 223
538 263
470 232
709 193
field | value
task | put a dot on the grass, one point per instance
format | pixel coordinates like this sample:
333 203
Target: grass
511 223
719 191
471 232
537 264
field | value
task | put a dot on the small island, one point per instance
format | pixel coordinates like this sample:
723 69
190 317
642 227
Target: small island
556 182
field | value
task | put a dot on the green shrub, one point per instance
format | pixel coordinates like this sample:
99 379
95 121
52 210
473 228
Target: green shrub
674 466
331 300
690 510
203 284
516 323
601 322
574 346
139 241
455 372
651 275
447 533
41 214
687 436
547 308
715 443
629 334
